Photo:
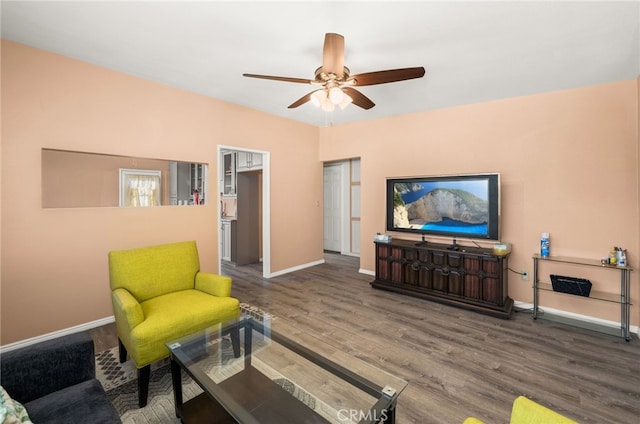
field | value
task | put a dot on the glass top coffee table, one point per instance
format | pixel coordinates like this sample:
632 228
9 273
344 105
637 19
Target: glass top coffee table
264 370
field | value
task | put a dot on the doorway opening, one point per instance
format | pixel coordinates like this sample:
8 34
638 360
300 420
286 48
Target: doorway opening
243 214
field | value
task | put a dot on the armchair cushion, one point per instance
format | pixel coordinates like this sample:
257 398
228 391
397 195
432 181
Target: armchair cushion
166 320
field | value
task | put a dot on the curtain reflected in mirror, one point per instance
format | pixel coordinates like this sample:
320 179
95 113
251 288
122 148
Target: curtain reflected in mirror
140 188
80 179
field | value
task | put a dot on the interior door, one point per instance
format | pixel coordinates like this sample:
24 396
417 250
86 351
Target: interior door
247 242
332 207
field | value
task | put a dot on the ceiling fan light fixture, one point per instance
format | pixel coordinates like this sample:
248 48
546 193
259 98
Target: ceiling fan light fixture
336 95
328 106
318 97
346 101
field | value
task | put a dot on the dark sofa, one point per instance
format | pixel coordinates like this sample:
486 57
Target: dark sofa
56 382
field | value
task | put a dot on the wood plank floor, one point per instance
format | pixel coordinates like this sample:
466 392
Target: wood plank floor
458 363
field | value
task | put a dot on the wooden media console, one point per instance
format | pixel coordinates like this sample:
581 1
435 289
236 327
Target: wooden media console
469 277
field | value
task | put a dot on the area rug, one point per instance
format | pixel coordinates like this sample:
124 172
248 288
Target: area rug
121 384
160 407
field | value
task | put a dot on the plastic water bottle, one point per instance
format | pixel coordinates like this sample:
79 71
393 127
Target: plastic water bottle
622 257
544 245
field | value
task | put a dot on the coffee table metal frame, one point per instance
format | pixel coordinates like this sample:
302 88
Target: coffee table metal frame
219 401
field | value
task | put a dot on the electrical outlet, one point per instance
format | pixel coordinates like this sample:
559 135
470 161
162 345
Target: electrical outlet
524 275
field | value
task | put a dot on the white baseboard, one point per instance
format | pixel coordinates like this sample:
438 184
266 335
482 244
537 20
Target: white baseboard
56 334
578 317
295 268
367 272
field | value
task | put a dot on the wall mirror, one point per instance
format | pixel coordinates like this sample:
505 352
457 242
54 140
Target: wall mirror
80 179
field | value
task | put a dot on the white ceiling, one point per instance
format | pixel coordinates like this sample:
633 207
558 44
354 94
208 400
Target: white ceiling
473 51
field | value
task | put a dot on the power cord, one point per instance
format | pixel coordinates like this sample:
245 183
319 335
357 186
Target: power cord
516 272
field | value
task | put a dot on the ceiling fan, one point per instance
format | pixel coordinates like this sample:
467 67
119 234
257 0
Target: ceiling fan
336 85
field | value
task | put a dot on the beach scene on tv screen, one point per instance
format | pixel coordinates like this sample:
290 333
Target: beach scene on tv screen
442 206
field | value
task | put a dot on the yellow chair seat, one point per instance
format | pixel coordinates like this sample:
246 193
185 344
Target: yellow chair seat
166 320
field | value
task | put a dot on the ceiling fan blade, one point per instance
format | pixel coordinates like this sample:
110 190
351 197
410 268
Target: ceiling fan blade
302 100
333 54
358 98
285 79
391 75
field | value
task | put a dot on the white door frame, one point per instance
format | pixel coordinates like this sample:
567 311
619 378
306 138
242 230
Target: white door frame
266 205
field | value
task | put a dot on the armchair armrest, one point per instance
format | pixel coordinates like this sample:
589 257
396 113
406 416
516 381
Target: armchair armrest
472 420
213 284
127 309
33 371
525 410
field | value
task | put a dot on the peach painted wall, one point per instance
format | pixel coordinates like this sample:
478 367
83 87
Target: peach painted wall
54 261
568 162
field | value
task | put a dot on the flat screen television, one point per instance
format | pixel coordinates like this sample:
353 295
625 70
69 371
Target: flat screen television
457 206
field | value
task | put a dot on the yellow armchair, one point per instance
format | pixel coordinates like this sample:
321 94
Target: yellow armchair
526 411
158 295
